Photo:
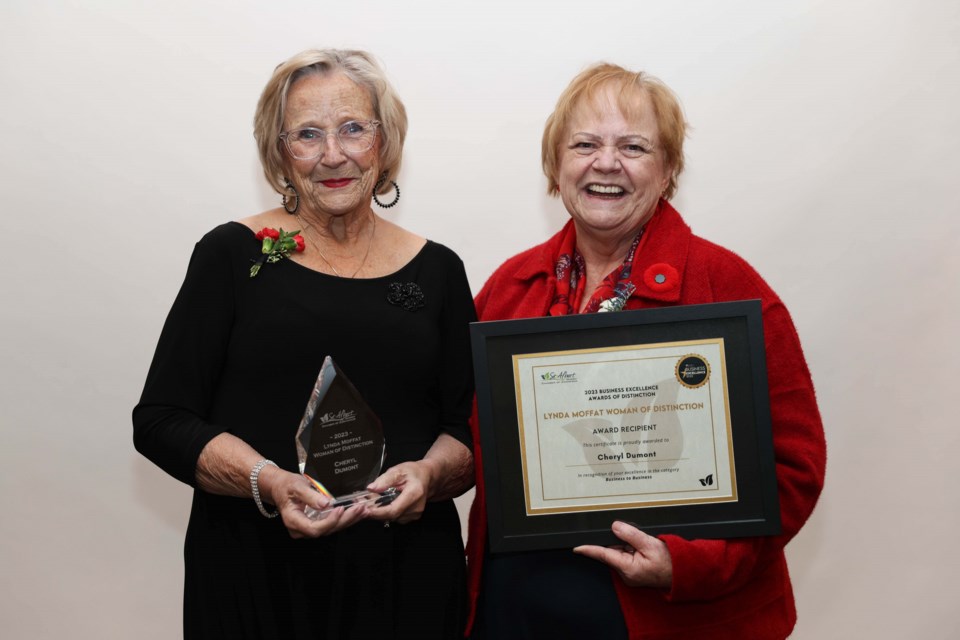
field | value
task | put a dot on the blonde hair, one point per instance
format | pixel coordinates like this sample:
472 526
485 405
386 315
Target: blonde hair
671 125
363 69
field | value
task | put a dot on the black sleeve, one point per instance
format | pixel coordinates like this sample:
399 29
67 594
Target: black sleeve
456 364
169 424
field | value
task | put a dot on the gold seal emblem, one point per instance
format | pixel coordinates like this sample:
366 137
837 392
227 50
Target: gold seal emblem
692 371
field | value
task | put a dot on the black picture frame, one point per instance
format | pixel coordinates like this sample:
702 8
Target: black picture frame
756 510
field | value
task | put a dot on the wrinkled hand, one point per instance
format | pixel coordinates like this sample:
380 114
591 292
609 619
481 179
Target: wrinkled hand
643 562
292 493
413 481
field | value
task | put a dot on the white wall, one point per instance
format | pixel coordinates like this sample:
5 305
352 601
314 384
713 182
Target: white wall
824 150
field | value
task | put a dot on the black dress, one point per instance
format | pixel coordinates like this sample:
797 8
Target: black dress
241 355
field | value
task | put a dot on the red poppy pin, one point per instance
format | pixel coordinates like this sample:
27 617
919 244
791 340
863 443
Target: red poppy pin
661 277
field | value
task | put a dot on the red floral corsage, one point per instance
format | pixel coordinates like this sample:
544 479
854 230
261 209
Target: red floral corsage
275 246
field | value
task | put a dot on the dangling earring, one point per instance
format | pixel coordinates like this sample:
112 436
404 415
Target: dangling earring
286 199
377 188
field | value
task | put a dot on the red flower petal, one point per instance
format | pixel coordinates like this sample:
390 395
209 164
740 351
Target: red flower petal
268 232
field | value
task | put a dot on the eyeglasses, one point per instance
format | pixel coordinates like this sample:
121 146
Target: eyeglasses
628 147
355 136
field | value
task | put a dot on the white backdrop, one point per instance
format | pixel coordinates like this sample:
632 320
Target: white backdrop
824 150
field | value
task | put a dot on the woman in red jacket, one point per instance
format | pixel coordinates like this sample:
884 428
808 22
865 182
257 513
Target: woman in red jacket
612 151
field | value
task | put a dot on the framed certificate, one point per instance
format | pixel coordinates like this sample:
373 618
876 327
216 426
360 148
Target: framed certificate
657 417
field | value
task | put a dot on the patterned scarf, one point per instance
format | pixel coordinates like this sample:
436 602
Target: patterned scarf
571 271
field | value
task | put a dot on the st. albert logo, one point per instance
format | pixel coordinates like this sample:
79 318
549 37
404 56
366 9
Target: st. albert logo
553 377
331 418
692 371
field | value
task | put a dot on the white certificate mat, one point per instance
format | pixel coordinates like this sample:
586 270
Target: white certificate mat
628 426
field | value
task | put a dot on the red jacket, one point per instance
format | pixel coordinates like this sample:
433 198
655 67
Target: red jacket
737 588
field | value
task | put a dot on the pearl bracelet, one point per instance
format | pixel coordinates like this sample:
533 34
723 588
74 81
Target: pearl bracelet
255 488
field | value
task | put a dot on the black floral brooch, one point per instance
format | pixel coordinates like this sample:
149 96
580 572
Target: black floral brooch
407 295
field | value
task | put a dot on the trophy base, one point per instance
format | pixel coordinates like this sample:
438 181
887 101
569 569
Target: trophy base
355 499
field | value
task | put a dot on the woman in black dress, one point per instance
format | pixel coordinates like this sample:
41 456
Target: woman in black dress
241 349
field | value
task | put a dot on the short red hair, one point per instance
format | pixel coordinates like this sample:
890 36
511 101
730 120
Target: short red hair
672 127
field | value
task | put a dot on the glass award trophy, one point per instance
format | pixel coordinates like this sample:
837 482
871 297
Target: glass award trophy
340 444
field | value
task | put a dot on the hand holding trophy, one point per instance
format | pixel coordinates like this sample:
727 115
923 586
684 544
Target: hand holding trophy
340 443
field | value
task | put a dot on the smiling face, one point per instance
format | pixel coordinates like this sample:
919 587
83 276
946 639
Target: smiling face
335 183
611 173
